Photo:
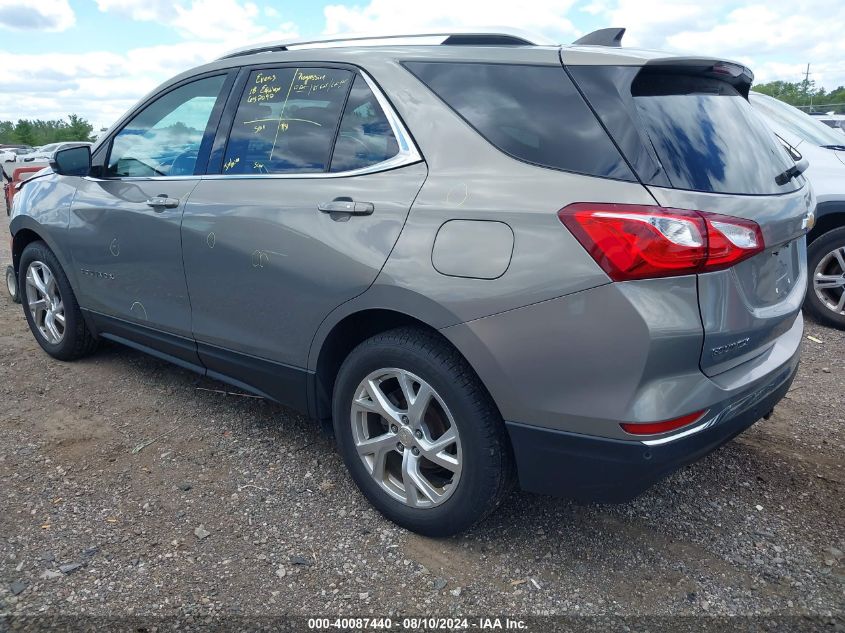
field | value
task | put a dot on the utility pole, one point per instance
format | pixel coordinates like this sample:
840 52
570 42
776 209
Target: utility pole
806 87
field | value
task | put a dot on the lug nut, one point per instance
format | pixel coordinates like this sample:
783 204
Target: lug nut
415 450
394 428
399 447
404 419
418 434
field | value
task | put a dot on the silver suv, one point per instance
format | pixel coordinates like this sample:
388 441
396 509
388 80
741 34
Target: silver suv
475 255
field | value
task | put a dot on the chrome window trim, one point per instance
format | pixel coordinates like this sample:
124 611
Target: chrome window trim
408 153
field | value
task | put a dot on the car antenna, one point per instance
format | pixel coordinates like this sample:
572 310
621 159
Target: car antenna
603 37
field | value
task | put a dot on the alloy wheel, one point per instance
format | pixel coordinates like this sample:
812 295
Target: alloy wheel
406 437
829 280
45 302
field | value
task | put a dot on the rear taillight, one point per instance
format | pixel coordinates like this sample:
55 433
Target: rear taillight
654 428
641 242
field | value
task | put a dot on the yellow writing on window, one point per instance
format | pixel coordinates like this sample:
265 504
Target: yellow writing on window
231 163
311 83
266 92
258 165
261 78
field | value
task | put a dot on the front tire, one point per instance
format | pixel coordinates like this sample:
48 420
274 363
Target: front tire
12 284
826 290
50 306
419 434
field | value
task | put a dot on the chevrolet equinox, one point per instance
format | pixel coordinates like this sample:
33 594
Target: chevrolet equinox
478 257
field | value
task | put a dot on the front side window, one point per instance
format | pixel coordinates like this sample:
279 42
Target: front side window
286 121
365 137
164 138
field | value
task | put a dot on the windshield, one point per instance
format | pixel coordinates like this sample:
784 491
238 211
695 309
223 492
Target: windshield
799 123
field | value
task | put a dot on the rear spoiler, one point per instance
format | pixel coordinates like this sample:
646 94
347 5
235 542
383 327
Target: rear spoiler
733 73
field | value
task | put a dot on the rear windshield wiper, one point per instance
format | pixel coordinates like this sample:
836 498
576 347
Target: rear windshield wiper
840 148
796 170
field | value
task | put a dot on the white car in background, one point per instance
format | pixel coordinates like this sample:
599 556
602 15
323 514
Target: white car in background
824 149
9 154
836 121
44 153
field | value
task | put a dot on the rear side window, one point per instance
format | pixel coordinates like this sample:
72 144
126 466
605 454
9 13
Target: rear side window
532 113
707 136
286 121
365 136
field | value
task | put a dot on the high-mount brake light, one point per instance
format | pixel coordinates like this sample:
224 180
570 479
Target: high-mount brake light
642 242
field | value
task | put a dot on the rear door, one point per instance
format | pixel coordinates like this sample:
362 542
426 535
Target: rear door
699 145
312 188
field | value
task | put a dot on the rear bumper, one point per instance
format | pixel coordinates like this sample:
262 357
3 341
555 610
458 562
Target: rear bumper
591 468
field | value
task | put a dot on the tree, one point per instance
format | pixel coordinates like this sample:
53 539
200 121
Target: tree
78 129
804 94
39 132
25 132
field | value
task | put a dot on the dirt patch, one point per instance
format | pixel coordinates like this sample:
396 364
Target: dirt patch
754 528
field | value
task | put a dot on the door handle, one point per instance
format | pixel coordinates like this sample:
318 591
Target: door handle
346 205
162 202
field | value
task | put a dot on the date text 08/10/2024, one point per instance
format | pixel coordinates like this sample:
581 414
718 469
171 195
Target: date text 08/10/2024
416 624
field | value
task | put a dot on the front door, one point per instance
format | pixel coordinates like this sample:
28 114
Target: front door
124 227
315 185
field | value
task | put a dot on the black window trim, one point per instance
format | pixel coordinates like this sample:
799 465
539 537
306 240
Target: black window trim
407 155
633 176
206 145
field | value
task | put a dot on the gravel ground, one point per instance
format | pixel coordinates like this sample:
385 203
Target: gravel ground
130 486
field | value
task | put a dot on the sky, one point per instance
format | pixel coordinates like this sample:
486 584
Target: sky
96 58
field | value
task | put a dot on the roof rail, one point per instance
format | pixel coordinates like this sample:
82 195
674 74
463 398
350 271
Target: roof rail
467 37
602 37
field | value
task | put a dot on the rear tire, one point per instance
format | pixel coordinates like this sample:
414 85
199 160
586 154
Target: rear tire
825 298
469 475
50 306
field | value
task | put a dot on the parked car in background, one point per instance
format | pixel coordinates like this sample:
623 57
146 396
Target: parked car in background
45 153
824 148
836 121
478 255
8 153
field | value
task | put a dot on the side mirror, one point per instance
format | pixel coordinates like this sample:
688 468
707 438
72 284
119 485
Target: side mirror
72 161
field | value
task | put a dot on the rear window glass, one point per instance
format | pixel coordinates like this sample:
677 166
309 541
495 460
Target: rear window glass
532 113
707 136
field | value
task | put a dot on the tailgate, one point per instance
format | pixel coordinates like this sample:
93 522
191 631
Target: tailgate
746 307
687 129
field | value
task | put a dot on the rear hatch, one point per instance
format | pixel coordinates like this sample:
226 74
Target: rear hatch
687 129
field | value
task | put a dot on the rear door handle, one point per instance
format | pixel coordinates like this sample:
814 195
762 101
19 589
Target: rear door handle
162 202
346 206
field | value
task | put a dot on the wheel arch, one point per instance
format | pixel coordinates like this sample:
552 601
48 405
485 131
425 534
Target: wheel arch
26 230
829 216
20 240
346 334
